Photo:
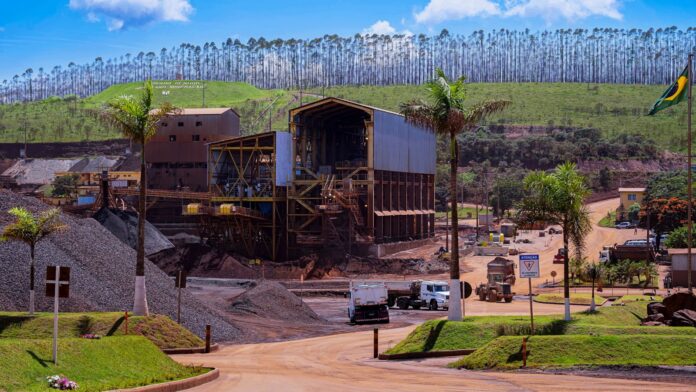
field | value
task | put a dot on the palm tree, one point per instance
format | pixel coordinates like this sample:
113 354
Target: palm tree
594 272
447 115
31 229
558 198
137 119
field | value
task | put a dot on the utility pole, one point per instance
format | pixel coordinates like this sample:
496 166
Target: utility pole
690 191
204 94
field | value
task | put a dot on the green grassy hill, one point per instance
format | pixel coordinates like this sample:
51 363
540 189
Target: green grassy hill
159 329
70 119
96 365
615 109
612 108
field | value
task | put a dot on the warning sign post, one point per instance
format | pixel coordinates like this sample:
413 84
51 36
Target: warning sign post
529 268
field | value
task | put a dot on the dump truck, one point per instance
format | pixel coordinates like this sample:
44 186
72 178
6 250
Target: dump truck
635 250
501 277
367 302
433 295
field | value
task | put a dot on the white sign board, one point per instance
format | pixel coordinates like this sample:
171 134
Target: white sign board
529 266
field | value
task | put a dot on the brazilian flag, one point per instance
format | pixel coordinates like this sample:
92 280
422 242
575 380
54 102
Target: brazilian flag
674 94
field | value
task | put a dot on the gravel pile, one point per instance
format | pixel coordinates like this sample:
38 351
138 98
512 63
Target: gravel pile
273 301
124 225
102 274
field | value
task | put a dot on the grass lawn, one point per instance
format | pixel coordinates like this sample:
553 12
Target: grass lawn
608 220
475 332
96 365
575 298
639 298
161 330
573 350
463 211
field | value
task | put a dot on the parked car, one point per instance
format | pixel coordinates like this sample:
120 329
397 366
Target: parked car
625 225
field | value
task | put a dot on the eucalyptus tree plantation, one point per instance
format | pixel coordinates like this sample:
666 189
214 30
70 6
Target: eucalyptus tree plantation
599 55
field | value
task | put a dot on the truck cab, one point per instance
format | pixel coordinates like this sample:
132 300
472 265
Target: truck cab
435 294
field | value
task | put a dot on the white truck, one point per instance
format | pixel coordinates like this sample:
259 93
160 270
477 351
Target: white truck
367 302
433 295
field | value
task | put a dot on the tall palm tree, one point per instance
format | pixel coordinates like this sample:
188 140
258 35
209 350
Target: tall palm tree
447 114
558 198
137 118
31 229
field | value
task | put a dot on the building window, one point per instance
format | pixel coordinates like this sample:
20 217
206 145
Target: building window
199 123
172 138
196 138
164 124
181 123
632 197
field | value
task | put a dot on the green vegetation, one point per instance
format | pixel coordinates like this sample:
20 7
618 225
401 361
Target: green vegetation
565 351
609 220
613 108
463 212
638 298
70 119
475 332
96 365
575 298
161 330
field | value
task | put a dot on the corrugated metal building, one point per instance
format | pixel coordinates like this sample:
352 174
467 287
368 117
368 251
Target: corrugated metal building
347 176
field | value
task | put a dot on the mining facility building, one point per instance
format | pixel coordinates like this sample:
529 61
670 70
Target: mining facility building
347 177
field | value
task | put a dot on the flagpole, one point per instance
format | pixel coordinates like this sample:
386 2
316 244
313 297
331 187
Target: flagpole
690 191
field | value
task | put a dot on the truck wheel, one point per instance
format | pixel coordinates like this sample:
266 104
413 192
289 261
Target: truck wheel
402 304
391 301
433 304
508 299
482 295
492 295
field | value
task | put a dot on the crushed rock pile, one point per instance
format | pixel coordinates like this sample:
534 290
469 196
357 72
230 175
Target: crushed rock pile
272 300
102 274
124 225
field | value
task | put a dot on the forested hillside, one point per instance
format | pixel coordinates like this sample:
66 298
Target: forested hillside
599 55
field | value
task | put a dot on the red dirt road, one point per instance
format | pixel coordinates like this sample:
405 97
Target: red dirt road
343 363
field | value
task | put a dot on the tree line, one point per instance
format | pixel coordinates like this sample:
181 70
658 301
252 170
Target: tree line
599 55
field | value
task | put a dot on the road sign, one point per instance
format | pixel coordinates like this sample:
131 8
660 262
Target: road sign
63 281
465 289
529 266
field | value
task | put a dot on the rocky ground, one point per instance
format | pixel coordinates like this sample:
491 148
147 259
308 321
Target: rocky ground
102 273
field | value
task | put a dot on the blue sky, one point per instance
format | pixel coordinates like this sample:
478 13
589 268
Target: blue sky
44 33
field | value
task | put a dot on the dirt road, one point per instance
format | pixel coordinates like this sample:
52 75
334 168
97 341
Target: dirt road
343 363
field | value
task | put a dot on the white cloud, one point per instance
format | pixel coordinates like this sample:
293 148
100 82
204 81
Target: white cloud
119 14
383 27
380 27
567 9
441 10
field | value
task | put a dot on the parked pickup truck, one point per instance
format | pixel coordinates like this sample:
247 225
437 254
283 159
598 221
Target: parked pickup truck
367 302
